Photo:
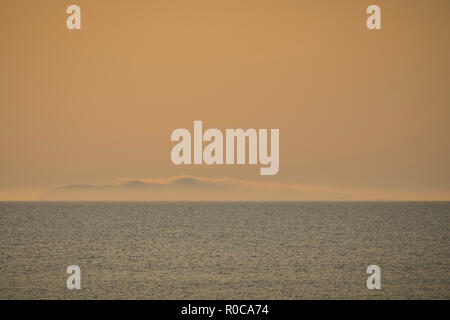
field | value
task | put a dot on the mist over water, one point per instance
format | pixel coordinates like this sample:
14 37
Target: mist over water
224 250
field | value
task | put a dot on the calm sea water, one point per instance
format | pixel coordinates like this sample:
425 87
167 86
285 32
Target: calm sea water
228 250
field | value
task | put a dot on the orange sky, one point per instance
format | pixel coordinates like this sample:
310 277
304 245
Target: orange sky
363 113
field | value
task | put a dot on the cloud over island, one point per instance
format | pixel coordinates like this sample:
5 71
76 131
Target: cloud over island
191 188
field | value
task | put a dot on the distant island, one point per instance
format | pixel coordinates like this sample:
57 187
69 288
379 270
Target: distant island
190 188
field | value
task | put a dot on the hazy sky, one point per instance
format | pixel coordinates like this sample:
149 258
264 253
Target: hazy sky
363 113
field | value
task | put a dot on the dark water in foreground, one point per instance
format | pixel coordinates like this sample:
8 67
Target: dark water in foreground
234 250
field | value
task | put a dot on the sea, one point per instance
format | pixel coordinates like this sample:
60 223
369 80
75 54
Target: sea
225 250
